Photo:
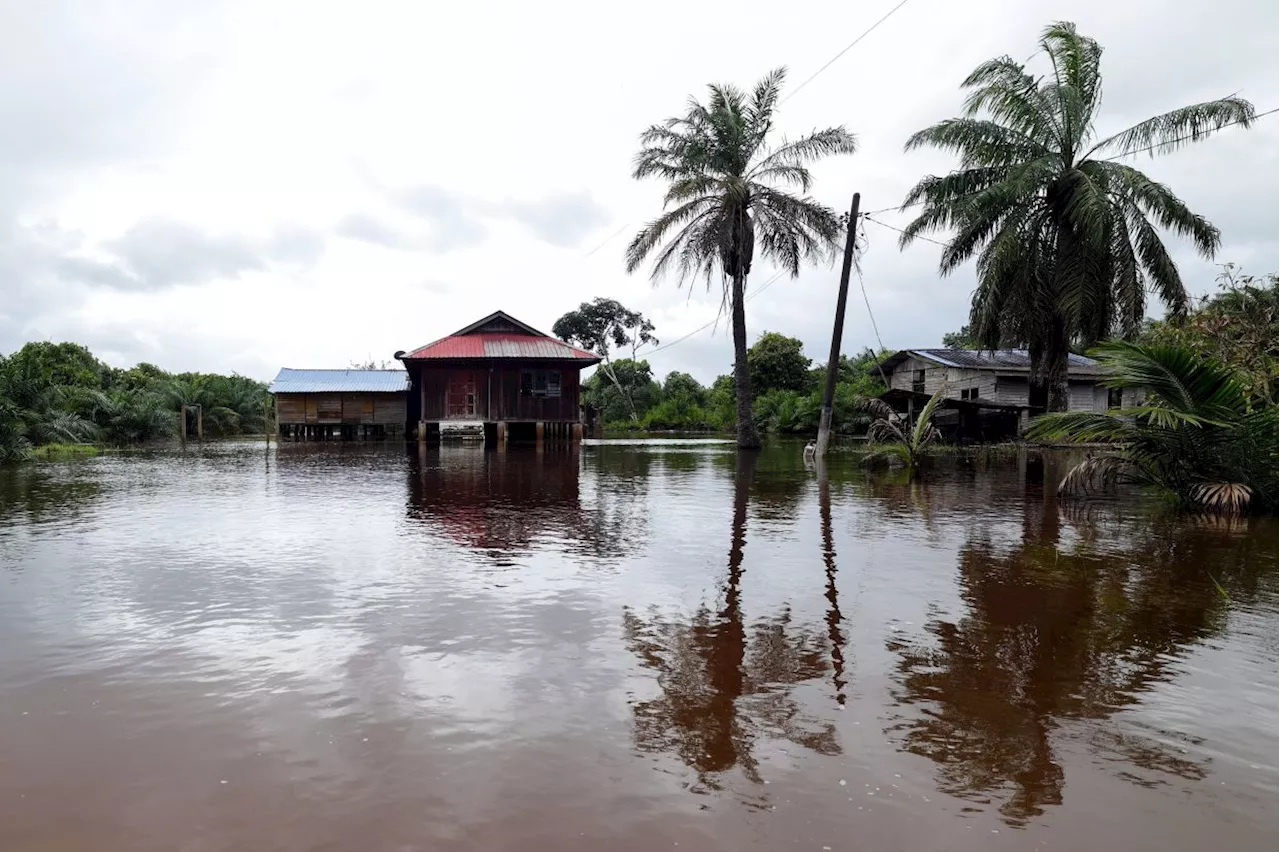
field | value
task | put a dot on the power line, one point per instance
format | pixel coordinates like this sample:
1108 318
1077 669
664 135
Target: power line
863 286
847 48
607 240
900 231
749 297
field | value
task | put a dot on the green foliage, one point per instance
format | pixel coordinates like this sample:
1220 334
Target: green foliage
1067 239
892 436
1199 434
600 325
962 339
1236 325
59 393
778 362
680 403
729 191
64 451
627 389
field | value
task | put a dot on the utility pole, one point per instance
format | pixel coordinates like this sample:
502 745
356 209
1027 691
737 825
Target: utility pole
833 363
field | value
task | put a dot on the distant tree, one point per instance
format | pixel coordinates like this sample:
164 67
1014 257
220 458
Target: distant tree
1067 238
61 364
1236 326
962 339
726 187
778 362
682 386
599 326
635 390
371 364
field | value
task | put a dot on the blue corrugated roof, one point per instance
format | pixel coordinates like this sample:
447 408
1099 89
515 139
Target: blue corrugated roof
340 381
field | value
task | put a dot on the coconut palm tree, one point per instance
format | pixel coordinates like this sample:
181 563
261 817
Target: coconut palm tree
729 189
1065 236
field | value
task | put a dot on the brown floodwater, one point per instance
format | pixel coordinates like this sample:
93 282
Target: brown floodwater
634 646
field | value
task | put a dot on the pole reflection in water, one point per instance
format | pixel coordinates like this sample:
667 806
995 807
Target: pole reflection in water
834 619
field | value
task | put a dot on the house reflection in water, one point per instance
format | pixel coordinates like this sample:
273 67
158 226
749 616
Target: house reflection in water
504 503
497 502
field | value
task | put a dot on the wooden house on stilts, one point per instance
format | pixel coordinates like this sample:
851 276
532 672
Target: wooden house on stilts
514 381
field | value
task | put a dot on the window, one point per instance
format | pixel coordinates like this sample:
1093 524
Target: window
917 381
540 383
1115 397
969 393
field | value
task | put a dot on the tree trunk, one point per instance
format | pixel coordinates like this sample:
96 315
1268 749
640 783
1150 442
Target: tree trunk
748 438
1055 367
626 395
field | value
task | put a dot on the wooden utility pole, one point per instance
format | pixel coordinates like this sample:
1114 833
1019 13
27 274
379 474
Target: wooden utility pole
833 363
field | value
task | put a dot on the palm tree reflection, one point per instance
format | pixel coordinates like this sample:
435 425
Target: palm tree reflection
725 685
1050 636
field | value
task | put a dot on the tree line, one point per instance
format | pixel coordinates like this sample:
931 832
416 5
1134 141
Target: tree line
61 393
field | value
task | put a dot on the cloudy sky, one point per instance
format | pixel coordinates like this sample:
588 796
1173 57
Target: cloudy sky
240 186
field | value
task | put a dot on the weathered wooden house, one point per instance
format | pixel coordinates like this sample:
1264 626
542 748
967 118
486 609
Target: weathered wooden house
516 381
991 393
318 404
1002 376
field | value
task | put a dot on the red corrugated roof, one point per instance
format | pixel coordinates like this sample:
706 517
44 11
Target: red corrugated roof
501 346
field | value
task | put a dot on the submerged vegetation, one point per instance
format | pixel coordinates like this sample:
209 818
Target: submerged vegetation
56 398
895 438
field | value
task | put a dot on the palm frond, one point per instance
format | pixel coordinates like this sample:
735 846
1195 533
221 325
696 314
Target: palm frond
1229 497
1176 128
1181 381
1076 63
653 232
830 142
1078 427
980 143
924 432
1012 97
1095 474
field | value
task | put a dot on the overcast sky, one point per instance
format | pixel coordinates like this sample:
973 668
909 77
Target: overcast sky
229 186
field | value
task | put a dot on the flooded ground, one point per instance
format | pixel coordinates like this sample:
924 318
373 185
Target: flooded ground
631 647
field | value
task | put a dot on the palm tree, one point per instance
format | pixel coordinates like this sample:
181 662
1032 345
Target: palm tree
893 437
728 189
1065 237
1199 435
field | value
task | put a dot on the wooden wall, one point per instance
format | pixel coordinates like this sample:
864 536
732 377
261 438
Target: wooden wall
367 409
497 391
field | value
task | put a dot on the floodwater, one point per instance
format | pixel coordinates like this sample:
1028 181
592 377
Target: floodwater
629 647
